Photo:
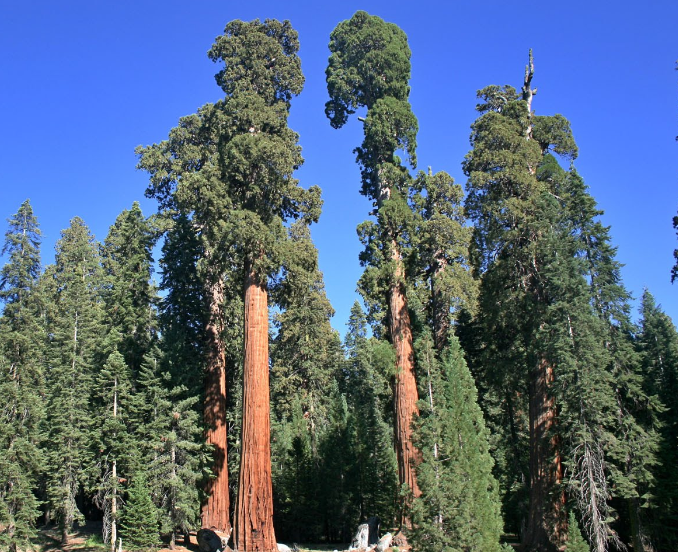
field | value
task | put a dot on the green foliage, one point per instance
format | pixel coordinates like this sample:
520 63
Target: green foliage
139 524
168 433
369 60
367 373
657 343
575 540
442 240
74 285
130 296
21 380
551 292
370 67
459 507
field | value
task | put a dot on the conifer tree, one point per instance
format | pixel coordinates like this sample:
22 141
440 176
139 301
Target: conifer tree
21 379
459 508
442 240
366 384
112 386
183 311
231 167
306 351
139 525
369 67
658 345
305 358
166 425
553 314
131 297
74 284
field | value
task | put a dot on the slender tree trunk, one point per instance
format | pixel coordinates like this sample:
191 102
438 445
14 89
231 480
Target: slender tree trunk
114 506
406 394
546 523
215 512
440 307
114 479
254 512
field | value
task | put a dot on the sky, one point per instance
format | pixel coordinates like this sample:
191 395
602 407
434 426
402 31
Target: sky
82 83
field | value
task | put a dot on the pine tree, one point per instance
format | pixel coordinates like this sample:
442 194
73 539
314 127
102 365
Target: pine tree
366 384
658 345
21 380
139 525
575 540
305 358
459 508
554 318
166 425
442 240
74 284
112 386
369 67
131 297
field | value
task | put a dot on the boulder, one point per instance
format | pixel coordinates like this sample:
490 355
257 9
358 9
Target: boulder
384 543
211 541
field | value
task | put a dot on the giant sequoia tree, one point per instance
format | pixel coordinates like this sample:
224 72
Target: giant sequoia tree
369 67
230 167
554 327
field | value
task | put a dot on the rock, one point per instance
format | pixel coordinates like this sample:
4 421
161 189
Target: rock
360 540
283 548
211 541
384 543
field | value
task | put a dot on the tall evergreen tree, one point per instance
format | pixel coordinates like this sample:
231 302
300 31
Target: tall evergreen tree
74 283
111 390
442 240
166 427
366 384
305 359
21 379
239 191
459 508
131 297
658 346
369 67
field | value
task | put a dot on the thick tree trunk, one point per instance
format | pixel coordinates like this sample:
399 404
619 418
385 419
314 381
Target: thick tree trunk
254 513
546 523
405 394
215 512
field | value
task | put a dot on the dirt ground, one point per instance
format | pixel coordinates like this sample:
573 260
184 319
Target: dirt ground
88 539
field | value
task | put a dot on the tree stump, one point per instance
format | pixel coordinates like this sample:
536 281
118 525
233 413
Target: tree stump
373 536
361 539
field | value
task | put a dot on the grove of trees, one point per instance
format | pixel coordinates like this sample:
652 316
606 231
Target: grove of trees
492 388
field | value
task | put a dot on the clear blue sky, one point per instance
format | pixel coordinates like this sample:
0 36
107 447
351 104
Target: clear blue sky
84 82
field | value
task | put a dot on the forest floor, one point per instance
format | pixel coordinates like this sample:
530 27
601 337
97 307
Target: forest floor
88 539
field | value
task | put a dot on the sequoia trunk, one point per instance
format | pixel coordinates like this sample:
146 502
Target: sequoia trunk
405 393
254 512
215 512
546 524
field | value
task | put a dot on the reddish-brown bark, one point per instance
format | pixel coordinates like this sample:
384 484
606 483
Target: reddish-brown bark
254 513
216 511
405 392
546 523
